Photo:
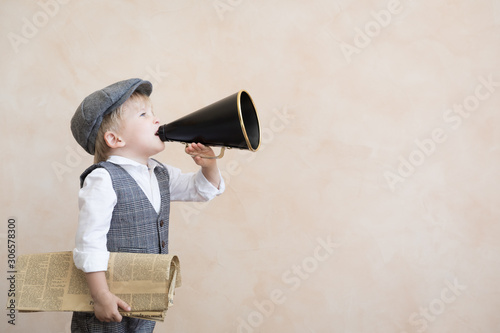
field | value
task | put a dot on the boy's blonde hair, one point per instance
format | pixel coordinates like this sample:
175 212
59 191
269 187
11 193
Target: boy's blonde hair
113 122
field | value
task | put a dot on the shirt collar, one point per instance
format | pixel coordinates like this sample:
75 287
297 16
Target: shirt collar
120 160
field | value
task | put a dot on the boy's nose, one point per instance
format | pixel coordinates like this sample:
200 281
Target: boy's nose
156 120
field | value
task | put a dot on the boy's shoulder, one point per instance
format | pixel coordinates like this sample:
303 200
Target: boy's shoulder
105 165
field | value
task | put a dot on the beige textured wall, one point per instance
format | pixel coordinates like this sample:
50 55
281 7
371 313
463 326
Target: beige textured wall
373 203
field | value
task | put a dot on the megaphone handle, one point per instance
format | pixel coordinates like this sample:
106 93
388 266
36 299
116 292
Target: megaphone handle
221 154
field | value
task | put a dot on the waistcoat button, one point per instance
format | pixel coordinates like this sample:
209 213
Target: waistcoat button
161 223
162 243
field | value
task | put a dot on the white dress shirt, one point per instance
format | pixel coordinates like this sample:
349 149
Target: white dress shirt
97 200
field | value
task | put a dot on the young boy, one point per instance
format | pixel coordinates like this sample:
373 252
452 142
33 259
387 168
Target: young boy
125 196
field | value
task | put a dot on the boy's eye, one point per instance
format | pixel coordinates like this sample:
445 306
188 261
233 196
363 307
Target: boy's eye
143 114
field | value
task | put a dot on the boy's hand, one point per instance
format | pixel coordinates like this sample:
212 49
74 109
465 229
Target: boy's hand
106 307
196 150
106 304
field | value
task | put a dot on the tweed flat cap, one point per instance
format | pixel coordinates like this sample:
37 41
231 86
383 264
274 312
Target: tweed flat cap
88 117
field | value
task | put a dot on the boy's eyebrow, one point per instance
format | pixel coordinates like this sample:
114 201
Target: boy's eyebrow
141 110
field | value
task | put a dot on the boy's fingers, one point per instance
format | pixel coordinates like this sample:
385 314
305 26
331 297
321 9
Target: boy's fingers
195 148
117 318
198 146
192 147
123 305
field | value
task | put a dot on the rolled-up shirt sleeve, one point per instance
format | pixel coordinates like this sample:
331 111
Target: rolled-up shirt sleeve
192 186
96 200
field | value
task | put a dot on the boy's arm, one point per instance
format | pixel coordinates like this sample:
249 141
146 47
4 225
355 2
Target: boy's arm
208 166
106 304
211 173
97 200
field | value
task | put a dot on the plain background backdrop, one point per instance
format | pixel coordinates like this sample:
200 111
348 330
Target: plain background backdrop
372 205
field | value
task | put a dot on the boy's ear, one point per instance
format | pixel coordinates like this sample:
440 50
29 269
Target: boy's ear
113 140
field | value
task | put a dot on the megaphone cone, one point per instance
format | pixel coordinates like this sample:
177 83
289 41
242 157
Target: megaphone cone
231 122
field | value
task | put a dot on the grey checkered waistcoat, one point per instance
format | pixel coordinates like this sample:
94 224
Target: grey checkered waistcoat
135 227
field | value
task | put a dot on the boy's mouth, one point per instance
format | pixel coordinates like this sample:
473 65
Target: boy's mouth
160 133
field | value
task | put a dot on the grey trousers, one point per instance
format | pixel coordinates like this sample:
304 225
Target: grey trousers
84 322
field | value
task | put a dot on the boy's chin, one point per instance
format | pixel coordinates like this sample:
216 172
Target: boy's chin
153 150
160 148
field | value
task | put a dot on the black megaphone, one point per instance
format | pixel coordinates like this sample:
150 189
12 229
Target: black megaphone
231 122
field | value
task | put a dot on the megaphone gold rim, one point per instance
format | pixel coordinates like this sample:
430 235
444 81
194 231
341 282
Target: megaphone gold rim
242 123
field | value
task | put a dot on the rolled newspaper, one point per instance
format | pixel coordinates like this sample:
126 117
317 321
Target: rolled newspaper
51 282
